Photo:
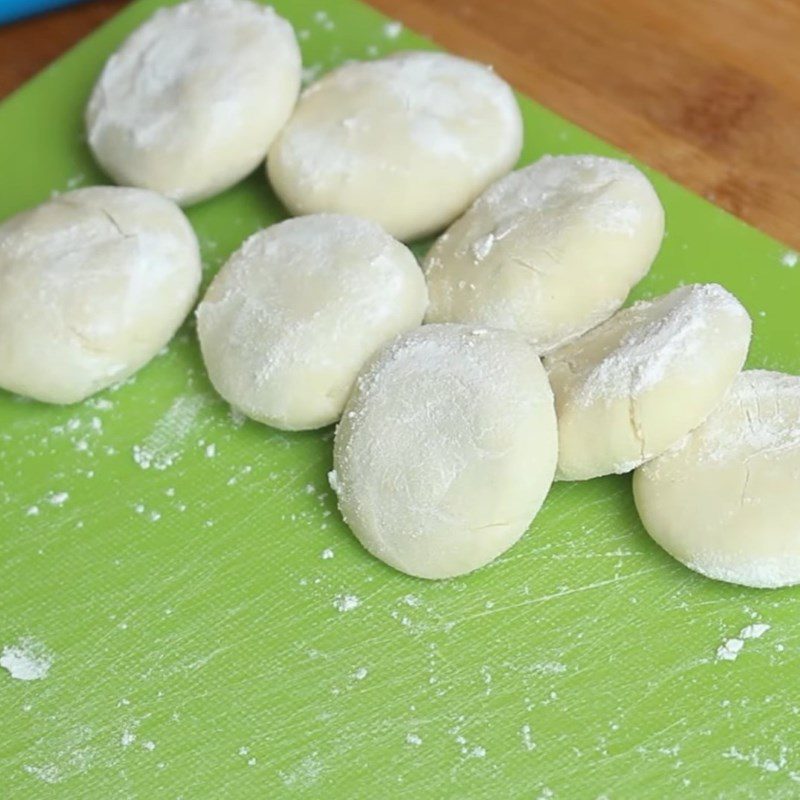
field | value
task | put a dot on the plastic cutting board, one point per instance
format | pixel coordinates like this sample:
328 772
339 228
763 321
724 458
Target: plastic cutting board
214 631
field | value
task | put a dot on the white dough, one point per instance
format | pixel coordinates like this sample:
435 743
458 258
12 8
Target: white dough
296 312
632 387
446 449
93 283
550 250
725 501
193 98
408 140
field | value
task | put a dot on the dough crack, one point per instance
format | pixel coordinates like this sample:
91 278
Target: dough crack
525 265
745 485
633 415
115 224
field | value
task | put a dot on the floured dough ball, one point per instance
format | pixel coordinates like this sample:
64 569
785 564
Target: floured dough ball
550 250
193 98
408 140
93 283
725 501
446 449
630 388
296 312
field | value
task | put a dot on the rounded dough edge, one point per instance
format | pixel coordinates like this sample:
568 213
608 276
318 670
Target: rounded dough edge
188 105
93 283
725 501
550 250
633 386
298 309
408 140
446 449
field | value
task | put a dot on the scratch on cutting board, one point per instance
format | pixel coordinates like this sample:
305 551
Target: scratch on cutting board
69 754
532 601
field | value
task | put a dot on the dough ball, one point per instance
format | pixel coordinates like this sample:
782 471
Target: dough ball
630 388
446 449
408 140
298 309
193 98
550 250
93 283
725 501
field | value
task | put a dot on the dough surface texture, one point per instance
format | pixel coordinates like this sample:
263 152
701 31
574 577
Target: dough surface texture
191 101
408 140
93 283
550 250
633 386
446 449
298 309
725 501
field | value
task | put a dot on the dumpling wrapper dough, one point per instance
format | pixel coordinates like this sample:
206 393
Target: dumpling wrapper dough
191 101
550 250
446 449
298 309
633 386
408 140
93 283
725 501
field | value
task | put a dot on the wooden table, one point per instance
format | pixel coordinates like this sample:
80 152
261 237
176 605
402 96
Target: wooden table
707 91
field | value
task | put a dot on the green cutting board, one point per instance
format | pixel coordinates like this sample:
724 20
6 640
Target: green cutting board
215 631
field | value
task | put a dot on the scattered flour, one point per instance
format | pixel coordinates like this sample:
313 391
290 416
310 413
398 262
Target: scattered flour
789 258
58 498
70 754
327 553
322 19
757 760
527 739
237 417
49 773
211 450
361 673
75 181
305 774
346 602
100 403
729 650
391 30
160 449
146 459
413 738
128 738
548 668
28 660
310 73
755 631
